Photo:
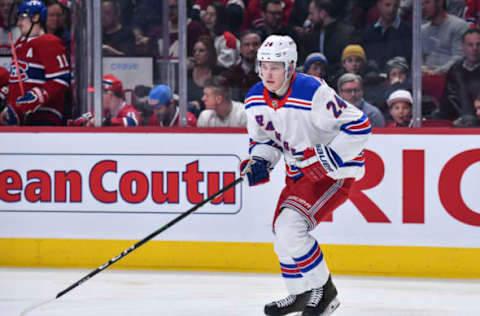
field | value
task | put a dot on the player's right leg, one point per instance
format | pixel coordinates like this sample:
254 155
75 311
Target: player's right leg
303 267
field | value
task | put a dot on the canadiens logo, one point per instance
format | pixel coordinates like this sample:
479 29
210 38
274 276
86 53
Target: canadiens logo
23 66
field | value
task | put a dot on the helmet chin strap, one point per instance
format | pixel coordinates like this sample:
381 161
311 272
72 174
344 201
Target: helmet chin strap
32 24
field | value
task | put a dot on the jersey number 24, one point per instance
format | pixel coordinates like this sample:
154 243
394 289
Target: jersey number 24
337 106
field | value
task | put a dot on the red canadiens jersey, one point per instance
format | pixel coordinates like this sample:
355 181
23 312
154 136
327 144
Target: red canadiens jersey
43 63
126 116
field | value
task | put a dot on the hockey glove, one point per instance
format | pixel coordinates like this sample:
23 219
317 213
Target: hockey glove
316 162
31 101
82 120
256 169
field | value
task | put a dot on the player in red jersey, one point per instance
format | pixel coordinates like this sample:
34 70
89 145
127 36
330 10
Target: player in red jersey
4 75
116 111
43 70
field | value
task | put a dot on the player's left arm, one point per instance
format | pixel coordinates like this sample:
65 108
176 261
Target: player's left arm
350 126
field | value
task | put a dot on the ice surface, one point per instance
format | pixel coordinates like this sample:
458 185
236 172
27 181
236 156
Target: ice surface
169 293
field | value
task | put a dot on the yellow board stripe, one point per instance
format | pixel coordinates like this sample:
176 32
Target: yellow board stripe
240 257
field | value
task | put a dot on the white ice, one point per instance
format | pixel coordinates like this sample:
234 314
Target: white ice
168 293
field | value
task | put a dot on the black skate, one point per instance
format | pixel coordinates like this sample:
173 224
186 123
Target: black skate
290 304
323 300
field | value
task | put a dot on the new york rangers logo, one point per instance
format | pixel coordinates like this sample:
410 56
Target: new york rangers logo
23 66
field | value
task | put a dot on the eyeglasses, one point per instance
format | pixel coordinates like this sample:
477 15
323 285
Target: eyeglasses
350 91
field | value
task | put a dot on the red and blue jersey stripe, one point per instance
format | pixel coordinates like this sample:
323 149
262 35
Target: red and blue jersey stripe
360 126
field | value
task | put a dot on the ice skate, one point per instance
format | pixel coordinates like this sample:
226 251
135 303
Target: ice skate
322 301
290 304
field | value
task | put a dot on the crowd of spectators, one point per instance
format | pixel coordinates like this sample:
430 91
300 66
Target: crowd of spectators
361 48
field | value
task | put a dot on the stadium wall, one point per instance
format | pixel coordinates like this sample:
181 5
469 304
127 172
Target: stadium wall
74 197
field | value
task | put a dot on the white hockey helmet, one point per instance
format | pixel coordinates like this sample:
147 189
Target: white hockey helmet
278 48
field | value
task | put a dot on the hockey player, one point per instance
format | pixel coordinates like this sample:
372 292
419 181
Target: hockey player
44 72
4 75
322 140
116 112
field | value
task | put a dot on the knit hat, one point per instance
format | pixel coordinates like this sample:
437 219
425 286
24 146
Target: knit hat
397 62
400 95
160 95
313 57
110 82
354 50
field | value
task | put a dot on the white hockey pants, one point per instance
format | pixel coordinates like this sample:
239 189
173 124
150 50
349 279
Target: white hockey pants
301 259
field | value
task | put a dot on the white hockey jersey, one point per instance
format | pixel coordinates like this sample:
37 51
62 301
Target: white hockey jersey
309 114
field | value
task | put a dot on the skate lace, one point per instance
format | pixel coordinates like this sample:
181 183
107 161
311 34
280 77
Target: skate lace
315 297
287 301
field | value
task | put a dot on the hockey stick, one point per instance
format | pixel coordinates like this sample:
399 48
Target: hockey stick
11 21
135 246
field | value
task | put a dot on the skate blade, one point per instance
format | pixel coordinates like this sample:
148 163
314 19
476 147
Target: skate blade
331 307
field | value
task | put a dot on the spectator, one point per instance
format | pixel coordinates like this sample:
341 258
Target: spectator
147 21
456 7
298 18
4 18
354 61
253 17
441 38
204 67
463 80
226 44
328 35
398 77
220 110
39 98
353 58
118 40
244 75
152 43
400 104
165 110
351 90
316 65
397 70
116 112
56 22
272 12
389 37
472 13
